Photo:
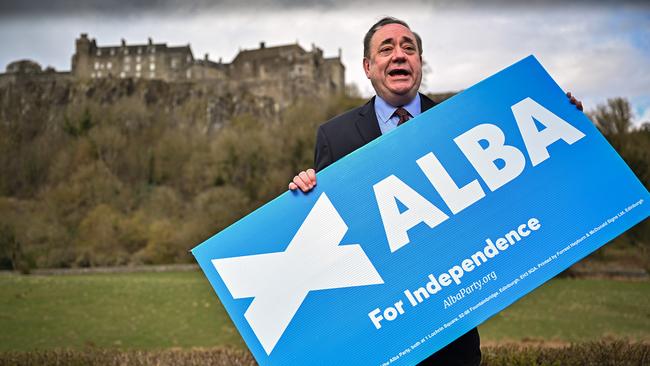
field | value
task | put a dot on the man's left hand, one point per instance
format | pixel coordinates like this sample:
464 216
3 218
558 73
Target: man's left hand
574 101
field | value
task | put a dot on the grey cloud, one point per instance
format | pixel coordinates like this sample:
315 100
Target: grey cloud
115 7
28 8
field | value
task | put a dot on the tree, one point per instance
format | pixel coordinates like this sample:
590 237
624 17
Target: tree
614 119
98 238
9 248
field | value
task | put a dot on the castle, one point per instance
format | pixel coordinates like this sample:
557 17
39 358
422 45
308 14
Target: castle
283 73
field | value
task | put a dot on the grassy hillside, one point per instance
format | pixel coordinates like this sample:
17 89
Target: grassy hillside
95 175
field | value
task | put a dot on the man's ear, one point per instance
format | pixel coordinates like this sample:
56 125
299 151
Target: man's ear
366 66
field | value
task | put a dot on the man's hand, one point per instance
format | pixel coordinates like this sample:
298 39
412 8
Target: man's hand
574 101
305 180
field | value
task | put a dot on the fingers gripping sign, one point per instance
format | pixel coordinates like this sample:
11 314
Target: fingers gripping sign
574 101
305 180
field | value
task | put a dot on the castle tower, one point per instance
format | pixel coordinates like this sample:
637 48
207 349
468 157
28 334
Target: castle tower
81 58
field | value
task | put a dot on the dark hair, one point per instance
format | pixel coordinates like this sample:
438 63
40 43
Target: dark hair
382 22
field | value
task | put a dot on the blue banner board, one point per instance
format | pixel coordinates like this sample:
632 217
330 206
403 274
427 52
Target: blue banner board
426 232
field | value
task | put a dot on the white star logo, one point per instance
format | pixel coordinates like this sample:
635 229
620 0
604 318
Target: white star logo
279 282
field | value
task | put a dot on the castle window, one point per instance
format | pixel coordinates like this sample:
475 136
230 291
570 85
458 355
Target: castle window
188 74
109 65
139 50
152 67
152 75
174 63
137 58
99 74
188 58
137 74
126 51
96 65
127 67
152 58
122 75
153 49
92 75
127 59
99 52
137 67
112 51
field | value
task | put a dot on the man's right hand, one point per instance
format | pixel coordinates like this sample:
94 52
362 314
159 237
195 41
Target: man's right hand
305 180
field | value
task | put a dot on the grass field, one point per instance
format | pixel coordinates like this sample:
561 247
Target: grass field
179 309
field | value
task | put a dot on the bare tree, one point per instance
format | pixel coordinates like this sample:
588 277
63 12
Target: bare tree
613 118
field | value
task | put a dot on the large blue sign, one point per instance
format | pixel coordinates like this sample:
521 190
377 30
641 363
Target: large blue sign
426 232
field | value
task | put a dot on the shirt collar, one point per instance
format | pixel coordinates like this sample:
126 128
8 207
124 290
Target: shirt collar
385 111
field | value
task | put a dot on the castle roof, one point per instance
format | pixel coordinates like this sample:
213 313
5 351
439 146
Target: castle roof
146 47
268 52
178 48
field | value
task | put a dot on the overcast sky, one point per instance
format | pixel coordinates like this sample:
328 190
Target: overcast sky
596 49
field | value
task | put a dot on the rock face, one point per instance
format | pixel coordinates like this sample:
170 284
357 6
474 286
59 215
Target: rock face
48 97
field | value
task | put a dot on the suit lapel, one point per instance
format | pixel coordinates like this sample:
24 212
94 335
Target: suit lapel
426 103
367 124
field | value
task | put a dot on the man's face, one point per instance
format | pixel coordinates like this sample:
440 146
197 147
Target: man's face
394 67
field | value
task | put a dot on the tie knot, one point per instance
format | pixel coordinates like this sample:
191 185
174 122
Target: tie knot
403 115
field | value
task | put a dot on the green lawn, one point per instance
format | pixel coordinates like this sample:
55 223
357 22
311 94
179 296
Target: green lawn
143 310
164 310
572 310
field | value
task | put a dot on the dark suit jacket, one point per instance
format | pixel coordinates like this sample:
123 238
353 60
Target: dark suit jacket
342 135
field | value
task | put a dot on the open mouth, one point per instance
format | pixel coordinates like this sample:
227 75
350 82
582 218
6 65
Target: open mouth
399 72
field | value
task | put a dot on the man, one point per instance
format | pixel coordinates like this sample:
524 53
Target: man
393 63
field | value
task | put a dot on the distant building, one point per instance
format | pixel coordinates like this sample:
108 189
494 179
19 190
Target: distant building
283 72
147 61
287 70
24 67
